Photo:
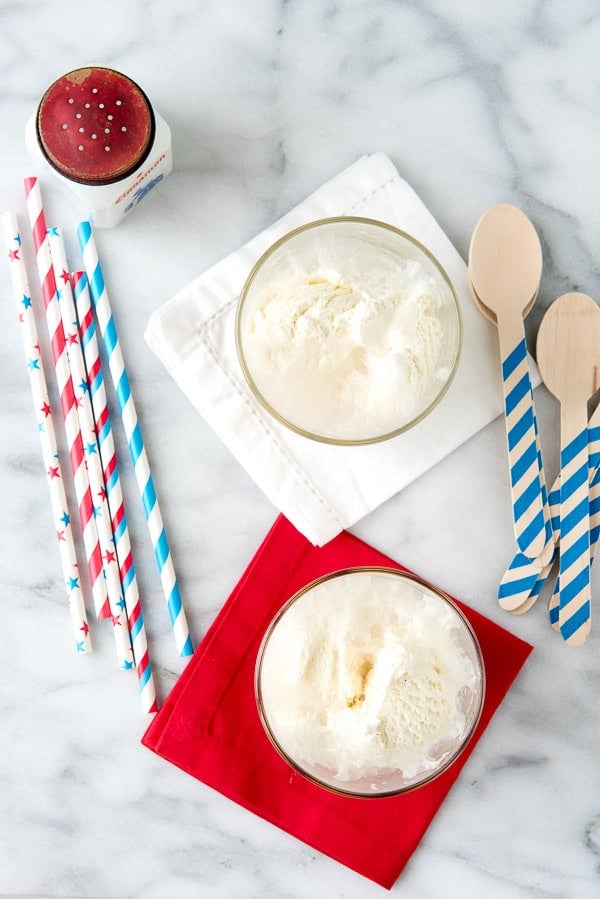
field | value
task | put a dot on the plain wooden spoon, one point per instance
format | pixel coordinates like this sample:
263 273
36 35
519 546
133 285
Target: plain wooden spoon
568 356
505 267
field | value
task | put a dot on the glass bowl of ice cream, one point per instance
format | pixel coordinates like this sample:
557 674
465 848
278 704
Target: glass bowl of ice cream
369 682
348 331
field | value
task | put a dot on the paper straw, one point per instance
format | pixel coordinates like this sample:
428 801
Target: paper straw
87 428
67 397
37 380
97 392
134 438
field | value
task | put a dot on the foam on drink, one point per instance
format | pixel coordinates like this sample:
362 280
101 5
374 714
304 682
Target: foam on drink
367 674
349 339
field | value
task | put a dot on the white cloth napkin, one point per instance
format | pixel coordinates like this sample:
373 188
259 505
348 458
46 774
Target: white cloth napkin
323 489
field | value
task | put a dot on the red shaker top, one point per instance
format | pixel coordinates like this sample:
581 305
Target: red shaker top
95 125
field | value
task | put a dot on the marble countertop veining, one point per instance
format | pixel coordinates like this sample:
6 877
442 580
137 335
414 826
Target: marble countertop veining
475 104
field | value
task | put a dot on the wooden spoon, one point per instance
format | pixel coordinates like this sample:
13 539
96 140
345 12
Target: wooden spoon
594 449
520 602
505 267
568 355
522 582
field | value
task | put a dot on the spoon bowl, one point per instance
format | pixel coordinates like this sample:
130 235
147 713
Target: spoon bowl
505 260
568 348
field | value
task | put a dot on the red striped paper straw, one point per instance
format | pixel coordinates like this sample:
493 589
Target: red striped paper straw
68 404
87 428
37 380
91 354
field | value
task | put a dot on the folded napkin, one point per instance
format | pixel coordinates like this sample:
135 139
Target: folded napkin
323 489
209 724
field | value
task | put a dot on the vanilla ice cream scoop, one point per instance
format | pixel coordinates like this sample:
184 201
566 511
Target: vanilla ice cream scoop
370 682
348 331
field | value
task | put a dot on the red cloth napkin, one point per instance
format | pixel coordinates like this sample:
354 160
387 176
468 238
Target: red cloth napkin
209 725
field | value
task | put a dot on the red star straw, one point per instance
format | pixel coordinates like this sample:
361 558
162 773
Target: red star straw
87 427
68 403
37 379
91 353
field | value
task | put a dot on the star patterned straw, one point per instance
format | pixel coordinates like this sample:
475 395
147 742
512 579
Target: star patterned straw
134 438
91 353
87 428
37 380
68 404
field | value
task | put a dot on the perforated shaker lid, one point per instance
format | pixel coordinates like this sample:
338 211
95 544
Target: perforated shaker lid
95 125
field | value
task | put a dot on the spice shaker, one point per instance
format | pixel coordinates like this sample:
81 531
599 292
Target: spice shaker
97 133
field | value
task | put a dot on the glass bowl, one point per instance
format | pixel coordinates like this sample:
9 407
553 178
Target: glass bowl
369 682
348 331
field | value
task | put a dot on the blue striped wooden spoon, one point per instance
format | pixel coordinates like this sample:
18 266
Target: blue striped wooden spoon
505 266
568 355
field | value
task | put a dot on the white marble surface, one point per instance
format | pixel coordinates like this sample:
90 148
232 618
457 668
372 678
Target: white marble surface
475 104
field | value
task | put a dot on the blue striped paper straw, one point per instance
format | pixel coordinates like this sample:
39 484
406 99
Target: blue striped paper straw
134 438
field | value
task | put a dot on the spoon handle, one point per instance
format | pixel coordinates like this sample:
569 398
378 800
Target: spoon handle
533 532
525 578
594 447
574 555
